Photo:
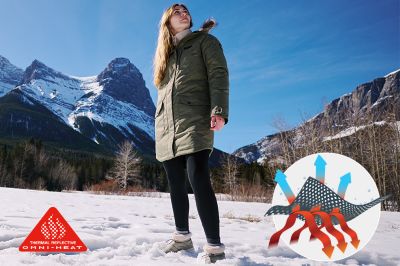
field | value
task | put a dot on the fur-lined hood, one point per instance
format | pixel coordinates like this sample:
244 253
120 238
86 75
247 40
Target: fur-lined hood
208 25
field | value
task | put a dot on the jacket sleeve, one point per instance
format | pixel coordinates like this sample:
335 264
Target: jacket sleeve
218 77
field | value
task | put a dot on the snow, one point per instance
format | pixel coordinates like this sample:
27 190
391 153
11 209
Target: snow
347 95
26 100
391 73
89 78
127 230
312 118
381 100
345 133
90 84
5 88
261 159
351 130
114 112
57 94
10 75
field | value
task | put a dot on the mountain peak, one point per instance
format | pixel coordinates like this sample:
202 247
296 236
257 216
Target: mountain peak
10 75
38 70
3 61
119 67
38 64
123 81
119 62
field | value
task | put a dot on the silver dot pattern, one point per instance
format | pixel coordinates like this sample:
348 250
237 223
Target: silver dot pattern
53 230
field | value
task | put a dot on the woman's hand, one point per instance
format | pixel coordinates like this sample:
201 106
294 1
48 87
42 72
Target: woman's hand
217 122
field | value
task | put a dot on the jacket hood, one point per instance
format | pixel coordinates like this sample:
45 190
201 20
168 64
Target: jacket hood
208 25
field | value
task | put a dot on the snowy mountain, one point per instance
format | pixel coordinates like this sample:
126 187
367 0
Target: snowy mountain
23 116
374 101
10 75
107 108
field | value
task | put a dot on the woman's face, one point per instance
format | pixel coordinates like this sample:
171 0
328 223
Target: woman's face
179 20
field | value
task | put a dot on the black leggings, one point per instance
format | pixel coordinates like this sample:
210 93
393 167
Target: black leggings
198 172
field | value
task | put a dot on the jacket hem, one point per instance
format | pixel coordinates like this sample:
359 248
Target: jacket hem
185 152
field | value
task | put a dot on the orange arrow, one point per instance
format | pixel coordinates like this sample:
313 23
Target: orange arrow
296 235
328 251
345 227
314 230
332 230
273 241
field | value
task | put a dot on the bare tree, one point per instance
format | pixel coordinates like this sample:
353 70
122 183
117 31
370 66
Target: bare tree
5 178
27 150
126 166
62 176
309 138
280 124
230 170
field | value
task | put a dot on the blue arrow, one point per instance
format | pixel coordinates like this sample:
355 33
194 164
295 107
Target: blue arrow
344 183
320 169
280 178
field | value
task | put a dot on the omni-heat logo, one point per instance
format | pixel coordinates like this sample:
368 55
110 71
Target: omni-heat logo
333 197
53 234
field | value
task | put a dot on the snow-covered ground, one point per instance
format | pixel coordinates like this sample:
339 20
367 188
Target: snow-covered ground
127 230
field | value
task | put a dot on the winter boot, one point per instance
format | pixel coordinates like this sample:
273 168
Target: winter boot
212 253
178 242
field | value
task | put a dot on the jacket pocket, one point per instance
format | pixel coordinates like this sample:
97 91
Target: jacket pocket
192 112
194 101
160 107
160 123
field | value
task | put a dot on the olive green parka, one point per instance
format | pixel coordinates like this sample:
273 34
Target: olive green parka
195 87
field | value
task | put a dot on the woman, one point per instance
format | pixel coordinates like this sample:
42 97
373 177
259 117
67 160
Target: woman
191 76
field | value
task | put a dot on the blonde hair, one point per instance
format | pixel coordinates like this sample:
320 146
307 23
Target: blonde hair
164 44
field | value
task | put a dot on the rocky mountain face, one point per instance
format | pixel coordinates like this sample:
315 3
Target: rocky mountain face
119 78
374 101
371 101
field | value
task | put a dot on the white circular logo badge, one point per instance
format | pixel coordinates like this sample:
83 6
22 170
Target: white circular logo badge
325 207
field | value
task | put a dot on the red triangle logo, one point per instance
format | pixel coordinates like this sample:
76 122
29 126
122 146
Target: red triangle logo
53 234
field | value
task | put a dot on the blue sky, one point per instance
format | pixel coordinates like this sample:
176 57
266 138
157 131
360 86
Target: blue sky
286 58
